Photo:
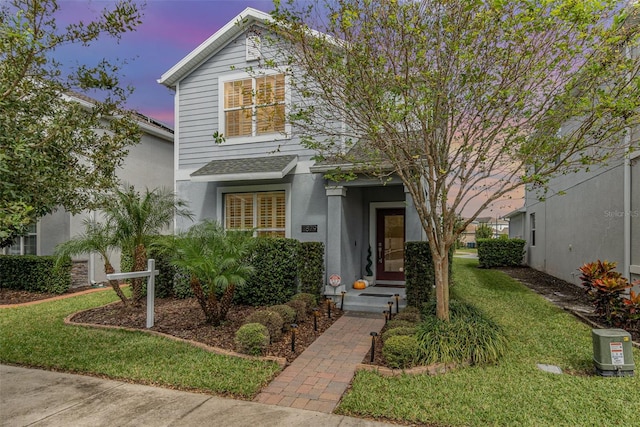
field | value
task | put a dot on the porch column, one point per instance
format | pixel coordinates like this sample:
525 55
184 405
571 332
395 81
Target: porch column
335 222
412 228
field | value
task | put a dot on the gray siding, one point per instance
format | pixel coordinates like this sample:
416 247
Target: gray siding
198 100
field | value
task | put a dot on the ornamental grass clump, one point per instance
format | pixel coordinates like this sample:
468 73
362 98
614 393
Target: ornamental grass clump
468 337
252 338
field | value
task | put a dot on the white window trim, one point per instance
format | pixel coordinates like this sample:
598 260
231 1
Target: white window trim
257 138
256 189
20 242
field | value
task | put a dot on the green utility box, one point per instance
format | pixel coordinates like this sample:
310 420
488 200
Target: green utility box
612 352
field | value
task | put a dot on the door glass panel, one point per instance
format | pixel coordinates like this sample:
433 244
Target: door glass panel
394 243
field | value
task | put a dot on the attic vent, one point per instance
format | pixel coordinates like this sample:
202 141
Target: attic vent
253 47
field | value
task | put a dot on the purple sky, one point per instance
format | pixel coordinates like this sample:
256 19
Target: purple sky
171 29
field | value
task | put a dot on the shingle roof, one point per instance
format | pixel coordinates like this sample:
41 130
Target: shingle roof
271 167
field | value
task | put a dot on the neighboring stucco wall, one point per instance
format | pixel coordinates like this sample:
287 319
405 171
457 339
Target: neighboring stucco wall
583 225
516 226
149 164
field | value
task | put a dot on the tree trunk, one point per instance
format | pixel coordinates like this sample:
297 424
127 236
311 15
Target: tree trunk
226 300
139 264
198 292
108 269
441 267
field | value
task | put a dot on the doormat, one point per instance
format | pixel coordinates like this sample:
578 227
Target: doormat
388 286
375 295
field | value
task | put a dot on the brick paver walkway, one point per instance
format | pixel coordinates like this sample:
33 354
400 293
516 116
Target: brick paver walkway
317 379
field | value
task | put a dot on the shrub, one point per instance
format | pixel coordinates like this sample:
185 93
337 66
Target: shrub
399 323
410 316
300 308
605 289
252 338
274 280
420 278
401 330
309 299
311 267
181 288
35 273
400 351
500 252
270 319
468 336
287 313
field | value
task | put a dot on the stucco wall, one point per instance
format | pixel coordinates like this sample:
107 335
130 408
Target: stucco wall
583 225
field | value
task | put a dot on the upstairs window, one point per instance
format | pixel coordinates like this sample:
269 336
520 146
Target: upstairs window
254 106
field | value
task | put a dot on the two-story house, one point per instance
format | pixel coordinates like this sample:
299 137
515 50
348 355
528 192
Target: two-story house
261 177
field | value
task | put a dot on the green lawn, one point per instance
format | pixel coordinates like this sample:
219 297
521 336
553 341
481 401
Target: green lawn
515 392
36 336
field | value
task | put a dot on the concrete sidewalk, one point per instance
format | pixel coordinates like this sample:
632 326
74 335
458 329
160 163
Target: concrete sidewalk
44 398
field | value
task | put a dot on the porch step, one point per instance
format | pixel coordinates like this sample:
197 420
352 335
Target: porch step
372 299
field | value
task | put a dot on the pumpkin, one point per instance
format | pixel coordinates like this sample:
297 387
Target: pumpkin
360 284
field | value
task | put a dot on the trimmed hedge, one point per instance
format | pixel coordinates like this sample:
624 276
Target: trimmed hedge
274 281
311 267
420 278
500 252
35 273
400 351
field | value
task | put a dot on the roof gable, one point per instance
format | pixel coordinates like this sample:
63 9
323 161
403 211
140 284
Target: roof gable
219 39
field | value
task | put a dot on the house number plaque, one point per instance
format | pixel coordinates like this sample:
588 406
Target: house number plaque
309 228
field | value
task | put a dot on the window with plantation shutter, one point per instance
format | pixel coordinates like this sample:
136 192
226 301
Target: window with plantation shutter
264 212
254 106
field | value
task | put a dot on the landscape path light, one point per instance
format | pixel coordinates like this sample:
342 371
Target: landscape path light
373 344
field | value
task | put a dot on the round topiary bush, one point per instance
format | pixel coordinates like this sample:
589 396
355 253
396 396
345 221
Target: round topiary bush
402 330
308 299
301 309
252 338
399 323
270 319
400 351
287 313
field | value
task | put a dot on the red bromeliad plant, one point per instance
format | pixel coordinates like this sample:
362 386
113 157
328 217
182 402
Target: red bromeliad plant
605 289
632 308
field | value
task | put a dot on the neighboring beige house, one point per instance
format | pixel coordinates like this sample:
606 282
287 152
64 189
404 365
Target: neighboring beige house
149 164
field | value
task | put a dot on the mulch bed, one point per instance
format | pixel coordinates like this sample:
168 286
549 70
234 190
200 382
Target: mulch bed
184 318
13 296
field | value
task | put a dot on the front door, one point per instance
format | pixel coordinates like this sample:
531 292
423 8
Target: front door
390 245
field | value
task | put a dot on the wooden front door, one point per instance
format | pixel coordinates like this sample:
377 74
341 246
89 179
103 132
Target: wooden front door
390 245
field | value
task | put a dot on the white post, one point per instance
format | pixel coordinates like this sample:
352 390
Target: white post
151 284
151 291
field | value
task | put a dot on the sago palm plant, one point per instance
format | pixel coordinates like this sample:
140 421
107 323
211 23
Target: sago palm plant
216 260
138 217
97 237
